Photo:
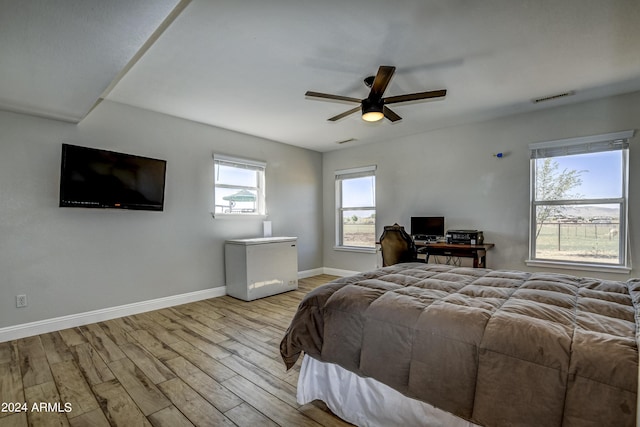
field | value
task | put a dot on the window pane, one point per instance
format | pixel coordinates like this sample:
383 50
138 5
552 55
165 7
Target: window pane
579 233
236 176
359 228
582 176
230 200
359 192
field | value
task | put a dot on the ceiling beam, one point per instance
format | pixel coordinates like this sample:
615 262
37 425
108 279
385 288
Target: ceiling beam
140 53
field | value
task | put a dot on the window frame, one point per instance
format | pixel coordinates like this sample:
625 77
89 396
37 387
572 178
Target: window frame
241 163
618 141
340 176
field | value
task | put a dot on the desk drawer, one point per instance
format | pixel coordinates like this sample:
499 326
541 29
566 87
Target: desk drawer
451 252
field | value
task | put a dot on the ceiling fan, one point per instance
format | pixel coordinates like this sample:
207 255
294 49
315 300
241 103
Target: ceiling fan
374 107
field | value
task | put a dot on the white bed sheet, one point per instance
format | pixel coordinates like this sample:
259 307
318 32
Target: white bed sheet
366 402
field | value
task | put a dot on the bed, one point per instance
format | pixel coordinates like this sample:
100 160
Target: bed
485 347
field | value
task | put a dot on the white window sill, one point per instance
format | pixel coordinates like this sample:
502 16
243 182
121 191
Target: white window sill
236 216
355 249
579 266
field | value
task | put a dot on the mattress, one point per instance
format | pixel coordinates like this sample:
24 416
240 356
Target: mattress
366 402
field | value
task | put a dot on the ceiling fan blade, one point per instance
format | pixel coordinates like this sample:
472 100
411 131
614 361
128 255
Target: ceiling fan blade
381 81
345 114
389 114
415 96
334 97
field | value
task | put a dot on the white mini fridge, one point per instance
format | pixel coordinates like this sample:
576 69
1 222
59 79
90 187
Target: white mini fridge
260 267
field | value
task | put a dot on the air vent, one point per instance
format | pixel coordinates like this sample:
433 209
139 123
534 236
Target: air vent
552 97
345 141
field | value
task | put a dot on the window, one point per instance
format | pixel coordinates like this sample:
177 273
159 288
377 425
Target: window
239 186
356 208
579 202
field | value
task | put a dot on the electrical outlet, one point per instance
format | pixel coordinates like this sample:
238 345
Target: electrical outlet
21 301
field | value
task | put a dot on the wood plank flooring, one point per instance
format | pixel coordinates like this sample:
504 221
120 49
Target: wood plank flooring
209 363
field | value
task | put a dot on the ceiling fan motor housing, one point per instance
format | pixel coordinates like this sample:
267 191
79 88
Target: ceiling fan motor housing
372 105
372 109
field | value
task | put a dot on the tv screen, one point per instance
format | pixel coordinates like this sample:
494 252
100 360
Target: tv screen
427 226
93 178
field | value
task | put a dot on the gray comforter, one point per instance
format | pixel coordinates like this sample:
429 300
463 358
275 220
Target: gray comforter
499 348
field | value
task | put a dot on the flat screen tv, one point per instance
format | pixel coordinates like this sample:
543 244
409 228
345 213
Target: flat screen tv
93 178
431 226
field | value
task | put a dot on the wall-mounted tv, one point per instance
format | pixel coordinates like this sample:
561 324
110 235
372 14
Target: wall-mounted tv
93 178
428 226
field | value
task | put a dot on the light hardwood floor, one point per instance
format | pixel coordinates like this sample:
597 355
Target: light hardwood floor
210 363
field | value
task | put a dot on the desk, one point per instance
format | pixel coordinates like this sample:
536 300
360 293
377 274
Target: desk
453 251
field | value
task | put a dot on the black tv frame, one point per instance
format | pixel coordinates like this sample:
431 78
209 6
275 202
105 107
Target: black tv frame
96 178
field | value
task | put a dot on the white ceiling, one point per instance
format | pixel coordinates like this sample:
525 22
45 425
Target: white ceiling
245 65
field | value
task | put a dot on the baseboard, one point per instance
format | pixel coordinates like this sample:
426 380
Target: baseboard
325 270
74 320
339 272
309 273
64 322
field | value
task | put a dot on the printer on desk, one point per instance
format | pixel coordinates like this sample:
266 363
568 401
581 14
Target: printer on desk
467 237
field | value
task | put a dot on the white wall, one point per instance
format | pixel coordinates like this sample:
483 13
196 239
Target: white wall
70 260
452 173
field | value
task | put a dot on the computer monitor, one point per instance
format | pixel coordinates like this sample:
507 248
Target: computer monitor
427 226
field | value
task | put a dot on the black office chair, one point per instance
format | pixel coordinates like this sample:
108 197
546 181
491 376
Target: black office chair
396 246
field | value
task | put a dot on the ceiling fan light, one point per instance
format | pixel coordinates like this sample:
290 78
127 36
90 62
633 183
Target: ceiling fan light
372 116
372 111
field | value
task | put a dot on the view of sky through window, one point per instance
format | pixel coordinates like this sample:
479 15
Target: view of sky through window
358 192
602 176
